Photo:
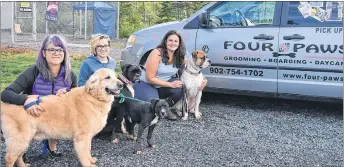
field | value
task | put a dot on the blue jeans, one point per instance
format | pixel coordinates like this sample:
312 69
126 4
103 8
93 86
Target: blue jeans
146 92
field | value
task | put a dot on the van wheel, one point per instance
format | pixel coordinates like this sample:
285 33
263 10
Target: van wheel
144 58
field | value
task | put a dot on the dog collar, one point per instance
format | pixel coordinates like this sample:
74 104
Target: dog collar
192 73
125 80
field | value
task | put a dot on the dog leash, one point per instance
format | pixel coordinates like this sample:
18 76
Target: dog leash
33 103
122 98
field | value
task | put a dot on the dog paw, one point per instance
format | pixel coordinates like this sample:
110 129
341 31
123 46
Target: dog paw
115 141
150 143
131 137
93 160
198 115
138 152
185 117
24 165
152 146
124 130
138 149
89 165
179 114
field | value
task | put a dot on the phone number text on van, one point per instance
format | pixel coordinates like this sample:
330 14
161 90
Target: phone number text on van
232 71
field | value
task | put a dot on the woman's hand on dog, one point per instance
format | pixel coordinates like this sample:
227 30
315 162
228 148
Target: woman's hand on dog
204 83
61 91
34 110
176 84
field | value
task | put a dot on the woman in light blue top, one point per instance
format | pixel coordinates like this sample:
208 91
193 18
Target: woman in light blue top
100 48
162 63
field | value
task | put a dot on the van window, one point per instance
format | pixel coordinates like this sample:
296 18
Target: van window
315 13
229 14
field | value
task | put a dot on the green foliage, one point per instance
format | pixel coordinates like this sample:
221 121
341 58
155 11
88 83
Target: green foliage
13 65
138 15
130 19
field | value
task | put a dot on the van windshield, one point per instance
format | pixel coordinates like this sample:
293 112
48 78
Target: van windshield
243 7
242 14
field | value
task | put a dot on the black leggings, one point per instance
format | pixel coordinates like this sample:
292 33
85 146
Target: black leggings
147 92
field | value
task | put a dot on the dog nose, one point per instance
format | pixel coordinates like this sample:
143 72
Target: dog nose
163 114
209 61
120 85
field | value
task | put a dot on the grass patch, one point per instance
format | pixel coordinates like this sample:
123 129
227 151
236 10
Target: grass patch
14 62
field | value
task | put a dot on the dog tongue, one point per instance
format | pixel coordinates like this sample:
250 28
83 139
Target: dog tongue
116 92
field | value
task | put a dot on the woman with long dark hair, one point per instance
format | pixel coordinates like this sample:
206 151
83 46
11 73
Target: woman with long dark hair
162 63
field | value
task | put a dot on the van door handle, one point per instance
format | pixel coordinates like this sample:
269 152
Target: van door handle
294 36
291 55
263 36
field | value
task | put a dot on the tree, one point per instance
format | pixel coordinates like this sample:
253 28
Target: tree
137 15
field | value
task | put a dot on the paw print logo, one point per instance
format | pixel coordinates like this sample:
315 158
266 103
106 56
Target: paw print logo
284 47
205 48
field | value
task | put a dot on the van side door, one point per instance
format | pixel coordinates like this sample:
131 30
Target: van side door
311 49
240 40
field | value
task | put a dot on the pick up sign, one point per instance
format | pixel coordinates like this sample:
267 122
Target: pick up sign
322 11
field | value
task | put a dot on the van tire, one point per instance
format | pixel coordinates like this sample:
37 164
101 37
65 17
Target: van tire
144 58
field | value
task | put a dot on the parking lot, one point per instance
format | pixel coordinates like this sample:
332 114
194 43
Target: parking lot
234 131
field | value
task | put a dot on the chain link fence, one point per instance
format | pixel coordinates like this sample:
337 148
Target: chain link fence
30 25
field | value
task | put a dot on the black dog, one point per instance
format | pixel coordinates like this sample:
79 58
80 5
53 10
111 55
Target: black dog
143 113
130 74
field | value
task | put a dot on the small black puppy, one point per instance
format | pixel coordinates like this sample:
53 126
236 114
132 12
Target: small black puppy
143 113
130 74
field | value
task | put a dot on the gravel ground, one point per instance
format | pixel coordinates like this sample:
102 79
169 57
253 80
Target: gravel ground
234 131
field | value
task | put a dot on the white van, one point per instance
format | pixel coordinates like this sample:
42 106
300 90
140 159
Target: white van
279 49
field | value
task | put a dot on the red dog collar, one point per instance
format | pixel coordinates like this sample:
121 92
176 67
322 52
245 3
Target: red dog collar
125 80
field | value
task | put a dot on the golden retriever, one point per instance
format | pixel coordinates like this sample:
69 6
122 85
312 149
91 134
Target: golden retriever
79 115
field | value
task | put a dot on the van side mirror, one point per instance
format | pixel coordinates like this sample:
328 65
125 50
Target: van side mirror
204 19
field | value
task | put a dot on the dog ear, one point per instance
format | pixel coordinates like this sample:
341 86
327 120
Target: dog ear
91 83
142 68
194 54
202 52
125 68
153 104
